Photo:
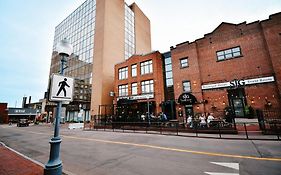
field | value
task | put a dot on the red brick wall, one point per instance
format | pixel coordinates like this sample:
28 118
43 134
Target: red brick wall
157 76
4 113
261 53
272 34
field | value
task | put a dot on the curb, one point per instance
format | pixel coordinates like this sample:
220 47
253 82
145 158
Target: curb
32 160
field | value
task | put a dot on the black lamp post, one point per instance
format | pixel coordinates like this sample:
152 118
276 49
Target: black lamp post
54 165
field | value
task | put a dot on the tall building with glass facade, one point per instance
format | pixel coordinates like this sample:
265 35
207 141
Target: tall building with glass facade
103 33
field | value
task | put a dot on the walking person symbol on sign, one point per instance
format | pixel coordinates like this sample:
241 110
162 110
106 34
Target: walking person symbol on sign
62 85
61 88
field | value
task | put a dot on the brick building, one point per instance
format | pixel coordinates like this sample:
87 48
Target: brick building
4 113
236 65
139 83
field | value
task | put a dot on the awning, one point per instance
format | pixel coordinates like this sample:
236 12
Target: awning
125 101
187 99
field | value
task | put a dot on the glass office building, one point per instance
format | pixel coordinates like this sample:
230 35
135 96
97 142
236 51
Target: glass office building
115 41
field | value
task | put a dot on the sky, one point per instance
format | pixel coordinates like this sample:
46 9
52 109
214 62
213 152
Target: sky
27 31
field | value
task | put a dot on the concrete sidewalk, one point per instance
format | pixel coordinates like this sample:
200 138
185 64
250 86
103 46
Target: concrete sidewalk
13 163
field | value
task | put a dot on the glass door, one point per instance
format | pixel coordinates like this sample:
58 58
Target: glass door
237 102
238 107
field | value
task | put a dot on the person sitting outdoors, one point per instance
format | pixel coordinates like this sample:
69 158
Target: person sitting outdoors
189 121
164 117
202 119
143 117
210 118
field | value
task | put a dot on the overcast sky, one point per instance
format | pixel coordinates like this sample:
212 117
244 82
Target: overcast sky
27 32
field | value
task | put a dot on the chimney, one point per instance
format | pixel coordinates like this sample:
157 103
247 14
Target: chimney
23 102
29 101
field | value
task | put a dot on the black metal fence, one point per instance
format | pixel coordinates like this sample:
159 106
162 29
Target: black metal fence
262 130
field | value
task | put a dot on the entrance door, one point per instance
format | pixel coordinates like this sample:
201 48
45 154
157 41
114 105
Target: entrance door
236 98
188 110
238 107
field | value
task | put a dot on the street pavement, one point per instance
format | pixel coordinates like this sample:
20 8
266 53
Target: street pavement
106 153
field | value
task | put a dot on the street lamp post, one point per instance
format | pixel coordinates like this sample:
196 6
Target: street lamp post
54 165
148 116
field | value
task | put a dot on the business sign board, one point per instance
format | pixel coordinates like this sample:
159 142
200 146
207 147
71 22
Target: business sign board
137 97
22 111
62 88
187 99
238 83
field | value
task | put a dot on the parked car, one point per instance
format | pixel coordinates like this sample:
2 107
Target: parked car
23 122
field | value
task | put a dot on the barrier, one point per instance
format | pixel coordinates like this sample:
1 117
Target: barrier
76 126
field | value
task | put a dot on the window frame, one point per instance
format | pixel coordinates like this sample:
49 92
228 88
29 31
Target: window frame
134 85
134 68
182 64
183 87
146 67
230 53
147 84
123 73
122 87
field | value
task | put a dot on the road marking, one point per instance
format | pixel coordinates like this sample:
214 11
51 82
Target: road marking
176 149
210 173
229 165
167 148
225 164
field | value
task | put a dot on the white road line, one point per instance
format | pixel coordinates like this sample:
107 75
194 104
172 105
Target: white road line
229 165
211 173
225 164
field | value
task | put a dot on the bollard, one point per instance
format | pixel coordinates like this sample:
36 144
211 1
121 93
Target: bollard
219 129
177 125
246 131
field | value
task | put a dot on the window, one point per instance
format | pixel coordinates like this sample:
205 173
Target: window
123 90
228 53
134 88
147 86
186 86
184 62
123 73
169 82
168 67
146 67
134 70
168 60
168 72
169 75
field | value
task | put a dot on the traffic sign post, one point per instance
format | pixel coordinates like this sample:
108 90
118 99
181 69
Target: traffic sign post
61 90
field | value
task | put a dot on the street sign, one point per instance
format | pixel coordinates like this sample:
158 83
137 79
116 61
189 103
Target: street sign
61 88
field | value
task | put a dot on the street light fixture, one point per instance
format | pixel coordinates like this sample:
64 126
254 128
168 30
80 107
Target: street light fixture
54 165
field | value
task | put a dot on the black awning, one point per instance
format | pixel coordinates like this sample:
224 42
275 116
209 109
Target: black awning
187 99
125 101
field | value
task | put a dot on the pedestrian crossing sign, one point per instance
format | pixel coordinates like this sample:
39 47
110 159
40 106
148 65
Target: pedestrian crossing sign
61 88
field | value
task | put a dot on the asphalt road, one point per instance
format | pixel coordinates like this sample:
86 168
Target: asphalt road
115 153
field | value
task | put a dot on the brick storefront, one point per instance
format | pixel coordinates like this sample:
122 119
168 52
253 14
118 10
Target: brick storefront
236 65
138 100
